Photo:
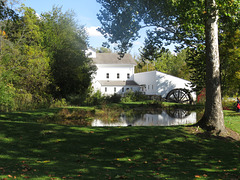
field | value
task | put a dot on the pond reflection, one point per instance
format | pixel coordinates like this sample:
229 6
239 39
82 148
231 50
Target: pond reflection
163 118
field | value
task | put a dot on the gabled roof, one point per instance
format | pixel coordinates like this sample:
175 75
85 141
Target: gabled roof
113 58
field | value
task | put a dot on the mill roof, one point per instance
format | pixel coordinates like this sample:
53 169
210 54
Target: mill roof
113 58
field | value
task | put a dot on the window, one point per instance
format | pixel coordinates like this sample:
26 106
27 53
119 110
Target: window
128 76
107 75
115 89
118 75
148 87
122 89
152 86
105 89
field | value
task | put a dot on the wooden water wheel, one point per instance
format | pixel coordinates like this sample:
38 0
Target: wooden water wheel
178 113
179 96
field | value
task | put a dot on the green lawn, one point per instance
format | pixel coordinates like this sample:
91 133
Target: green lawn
232 120
49 151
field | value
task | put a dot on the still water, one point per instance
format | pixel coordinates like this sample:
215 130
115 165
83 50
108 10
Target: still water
163 118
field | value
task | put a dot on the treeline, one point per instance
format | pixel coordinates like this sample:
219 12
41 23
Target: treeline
42 59
166 62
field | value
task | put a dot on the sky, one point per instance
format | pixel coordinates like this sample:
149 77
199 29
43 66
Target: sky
86 14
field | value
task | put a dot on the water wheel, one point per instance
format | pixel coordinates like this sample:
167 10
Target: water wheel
178 113
179 96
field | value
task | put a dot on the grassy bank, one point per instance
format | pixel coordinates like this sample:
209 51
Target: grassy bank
49 151
232 120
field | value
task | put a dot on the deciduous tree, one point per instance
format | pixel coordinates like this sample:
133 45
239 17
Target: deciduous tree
66 42
31 68
188 23
230 66
104 50
173 64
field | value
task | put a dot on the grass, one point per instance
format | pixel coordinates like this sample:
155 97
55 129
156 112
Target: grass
30 150
232 120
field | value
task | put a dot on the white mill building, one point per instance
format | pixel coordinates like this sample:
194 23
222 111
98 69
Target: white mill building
116 75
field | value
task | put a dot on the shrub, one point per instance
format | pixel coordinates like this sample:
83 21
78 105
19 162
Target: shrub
67 117
27 101
201 98
154 104
76 99
108 113
116 98
7 94
56 103
131 96
95 98
126 99
23 100
229 103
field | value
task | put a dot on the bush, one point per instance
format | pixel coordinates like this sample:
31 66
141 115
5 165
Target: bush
7 94
23 100
67 117
95 98
56 103
116 98
201 98
229 103
76 99
154 104
131 96
126 99
12 99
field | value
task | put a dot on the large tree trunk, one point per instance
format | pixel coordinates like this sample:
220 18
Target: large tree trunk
212 119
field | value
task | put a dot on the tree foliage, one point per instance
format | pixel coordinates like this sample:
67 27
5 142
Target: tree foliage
103 50
173 64
24 59
6 12
193 24
230 66
169 21
41 58
65 42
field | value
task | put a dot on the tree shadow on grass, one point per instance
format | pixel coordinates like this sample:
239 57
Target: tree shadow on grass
28 116
31 150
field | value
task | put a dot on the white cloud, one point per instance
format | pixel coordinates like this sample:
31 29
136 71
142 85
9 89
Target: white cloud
92 31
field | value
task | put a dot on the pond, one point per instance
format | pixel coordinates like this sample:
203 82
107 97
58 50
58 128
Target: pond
139 118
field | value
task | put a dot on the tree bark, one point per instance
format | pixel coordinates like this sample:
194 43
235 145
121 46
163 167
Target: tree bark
212 119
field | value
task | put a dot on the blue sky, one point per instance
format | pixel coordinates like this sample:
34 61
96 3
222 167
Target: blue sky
86 14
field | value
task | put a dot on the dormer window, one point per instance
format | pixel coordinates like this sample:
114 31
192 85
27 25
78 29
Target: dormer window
107 75
118 75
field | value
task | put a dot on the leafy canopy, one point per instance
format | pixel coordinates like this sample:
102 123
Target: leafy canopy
168 21
65 42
